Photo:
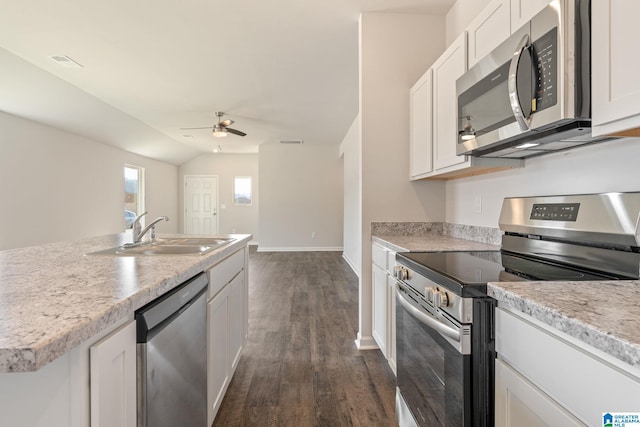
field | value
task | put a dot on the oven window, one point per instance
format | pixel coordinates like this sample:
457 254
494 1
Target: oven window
431 374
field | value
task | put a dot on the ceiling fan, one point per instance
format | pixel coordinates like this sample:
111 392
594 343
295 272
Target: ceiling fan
221 128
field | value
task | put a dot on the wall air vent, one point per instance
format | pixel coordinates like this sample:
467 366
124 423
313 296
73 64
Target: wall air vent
65 61
292 141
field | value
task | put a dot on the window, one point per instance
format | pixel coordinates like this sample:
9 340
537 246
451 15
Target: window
133 194
242 190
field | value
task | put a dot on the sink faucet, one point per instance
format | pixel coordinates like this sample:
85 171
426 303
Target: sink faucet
138 234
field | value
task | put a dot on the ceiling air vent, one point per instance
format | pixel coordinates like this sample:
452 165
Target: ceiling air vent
65 61
292 141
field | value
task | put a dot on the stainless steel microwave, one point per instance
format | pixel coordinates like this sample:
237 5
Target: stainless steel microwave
531 95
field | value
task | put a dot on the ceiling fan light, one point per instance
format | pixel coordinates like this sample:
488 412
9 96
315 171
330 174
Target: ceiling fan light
219 132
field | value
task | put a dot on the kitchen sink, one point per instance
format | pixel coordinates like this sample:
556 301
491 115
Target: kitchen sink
205 241
169 246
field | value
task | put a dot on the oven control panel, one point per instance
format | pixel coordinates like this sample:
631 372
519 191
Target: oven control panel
555 211
436 296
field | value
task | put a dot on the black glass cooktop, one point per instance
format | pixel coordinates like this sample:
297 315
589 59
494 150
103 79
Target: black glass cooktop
463 269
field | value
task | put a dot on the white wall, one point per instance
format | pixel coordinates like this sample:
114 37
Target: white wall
301 191
609 166
244 219
352 235
59 186
395 50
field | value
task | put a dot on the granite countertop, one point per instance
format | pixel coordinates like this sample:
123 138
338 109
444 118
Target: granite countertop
431 243
601 314
53 296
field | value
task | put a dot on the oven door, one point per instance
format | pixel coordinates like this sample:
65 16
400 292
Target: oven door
433 363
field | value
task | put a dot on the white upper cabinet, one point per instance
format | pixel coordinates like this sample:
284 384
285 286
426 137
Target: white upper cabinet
615 66
421 124
524 10
446 70
488 30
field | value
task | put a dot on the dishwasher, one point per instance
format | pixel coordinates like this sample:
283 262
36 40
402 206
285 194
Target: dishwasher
172 357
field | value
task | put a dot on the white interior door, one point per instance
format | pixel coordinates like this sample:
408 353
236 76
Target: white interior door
201 204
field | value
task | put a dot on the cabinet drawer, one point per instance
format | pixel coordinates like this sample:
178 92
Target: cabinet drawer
379 256
581 381
224 272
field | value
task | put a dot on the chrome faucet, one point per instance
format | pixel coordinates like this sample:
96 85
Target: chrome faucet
138 232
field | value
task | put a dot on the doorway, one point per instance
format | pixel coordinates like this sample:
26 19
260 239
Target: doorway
201 204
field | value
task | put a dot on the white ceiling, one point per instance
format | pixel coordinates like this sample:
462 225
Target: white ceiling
282 69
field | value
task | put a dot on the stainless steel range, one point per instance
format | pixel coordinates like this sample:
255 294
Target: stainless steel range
444 319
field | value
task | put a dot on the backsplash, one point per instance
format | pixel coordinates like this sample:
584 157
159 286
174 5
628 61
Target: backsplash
405 228
476 233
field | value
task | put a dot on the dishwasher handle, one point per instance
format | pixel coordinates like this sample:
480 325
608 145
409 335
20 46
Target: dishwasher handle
153 317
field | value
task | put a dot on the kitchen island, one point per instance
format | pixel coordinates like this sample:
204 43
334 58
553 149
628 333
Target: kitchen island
56 301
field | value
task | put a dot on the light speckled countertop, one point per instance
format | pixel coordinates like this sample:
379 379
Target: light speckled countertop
431 243
53 297
603 314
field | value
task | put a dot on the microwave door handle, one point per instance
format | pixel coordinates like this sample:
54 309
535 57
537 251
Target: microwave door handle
512 82
426 319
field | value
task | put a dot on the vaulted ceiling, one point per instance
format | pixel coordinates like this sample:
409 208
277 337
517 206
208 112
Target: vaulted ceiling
281 69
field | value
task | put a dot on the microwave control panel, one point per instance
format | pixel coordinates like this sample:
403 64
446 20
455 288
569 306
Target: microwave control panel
545 72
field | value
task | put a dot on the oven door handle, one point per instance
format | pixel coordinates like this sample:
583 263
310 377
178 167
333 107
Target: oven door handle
427 319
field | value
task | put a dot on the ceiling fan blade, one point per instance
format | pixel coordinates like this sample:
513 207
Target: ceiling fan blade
235 132
207 127
227 122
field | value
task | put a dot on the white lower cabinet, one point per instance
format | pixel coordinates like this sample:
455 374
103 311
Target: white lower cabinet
380 308
383 302
93 384
521 404
218 348
227 314
113 379
547 378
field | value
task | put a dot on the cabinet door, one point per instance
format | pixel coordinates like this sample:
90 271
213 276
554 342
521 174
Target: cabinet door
523 10
113 379
488 30
421 123
218 351
520 404
380 303
615 83
391 353
236 321
446 70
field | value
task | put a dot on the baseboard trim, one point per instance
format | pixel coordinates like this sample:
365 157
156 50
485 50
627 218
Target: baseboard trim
300 249
366 343
350 264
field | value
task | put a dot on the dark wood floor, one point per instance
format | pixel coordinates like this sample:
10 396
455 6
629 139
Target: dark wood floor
301 366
